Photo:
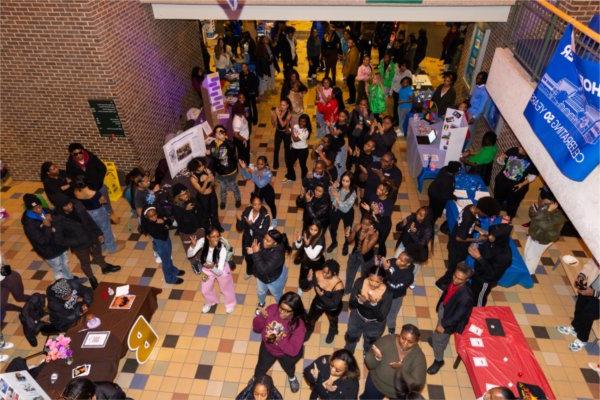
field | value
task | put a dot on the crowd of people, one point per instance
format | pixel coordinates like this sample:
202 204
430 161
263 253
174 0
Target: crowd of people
349 174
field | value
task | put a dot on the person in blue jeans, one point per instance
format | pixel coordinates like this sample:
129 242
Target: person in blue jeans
158 229
269 265
405 100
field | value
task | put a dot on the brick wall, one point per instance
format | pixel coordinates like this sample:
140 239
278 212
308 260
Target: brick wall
58 54
582 10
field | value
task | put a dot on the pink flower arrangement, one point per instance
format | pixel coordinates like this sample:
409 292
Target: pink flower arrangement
58 349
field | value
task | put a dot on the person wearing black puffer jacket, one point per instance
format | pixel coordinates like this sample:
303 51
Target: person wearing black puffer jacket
39 228
74 228
254 224
492 259
271 273
317 207
415 232
68 300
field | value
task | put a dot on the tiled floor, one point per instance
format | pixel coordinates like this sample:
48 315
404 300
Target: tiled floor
212 356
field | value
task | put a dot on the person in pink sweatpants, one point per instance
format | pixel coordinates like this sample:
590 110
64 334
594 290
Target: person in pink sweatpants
210 252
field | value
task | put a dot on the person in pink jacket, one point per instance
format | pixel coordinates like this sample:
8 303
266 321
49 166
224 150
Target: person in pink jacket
282 329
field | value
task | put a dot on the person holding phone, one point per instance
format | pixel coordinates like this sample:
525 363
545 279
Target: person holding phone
364 236
281 118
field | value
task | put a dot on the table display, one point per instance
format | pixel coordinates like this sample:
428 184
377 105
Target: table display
495 353
106 350
517 273
423 159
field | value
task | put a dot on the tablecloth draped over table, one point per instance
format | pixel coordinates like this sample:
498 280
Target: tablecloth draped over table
105 361
517 273
509 358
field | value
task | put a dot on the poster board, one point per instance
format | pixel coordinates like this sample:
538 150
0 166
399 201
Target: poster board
454 133
185 146
20 385
213 98
477 49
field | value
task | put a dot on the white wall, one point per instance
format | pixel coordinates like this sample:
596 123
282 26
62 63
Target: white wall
510 87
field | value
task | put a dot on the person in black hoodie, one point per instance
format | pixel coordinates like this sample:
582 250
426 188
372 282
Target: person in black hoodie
74 228
442 189
249 86
333 377
55 181
415 232
454 310
492 259
68 300
461 236
317 207
224 155
254 223
158 228
319 175
380 206
269 265
83 162
39 229
187 214
400 275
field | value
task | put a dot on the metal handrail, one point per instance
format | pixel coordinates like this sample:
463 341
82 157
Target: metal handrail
535 29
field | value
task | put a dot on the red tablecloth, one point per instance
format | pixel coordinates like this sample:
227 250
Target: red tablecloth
509 358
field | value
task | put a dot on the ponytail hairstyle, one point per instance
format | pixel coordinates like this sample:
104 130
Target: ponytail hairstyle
280 238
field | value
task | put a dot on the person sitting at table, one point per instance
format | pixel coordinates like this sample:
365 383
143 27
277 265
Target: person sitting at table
329 290
68 301
282 328
499 393
454 310
492 259
370 304
333 377
512 183
392 355
442 189
415 234
461 236
210 253
480 162
260 389
400 273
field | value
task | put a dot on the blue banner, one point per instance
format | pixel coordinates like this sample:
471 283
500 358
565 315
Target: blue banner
564 110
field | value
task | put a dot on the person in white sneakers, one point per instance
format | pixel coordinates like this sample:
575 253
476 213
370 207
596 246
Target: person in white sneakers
587 307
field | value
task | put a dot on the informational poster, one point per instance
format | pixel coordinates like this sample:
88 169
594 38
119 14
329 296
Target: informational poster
476 53
106 117
20 385
111 180
183 147
564 110
454 132
213 98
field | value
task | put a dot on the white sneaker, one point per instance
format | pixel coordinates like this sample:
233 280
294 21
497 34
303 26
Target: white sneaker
566 330
412 287
207 308
7 345
577 345
229 310
300 292
4 358
157 258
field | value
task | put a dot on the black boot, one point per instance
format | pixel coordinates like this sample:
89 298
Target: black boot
435 367
345 249
331 247
108 268
93 282
330 336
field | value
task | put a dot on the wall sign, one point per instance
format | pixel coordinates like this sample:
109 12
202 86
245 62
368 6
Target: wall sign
476 52
106 117
564 110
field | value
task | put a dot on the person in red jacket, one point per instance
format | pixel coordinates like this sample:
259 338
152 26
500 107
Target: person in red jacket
282 329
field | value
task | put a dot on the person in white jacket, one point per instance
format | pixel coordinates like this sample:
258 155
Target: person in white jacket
210 254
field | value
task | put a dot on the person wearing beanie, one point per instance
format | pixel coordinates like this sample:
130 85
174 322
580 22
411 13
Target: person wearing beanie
40 231
75 229
400 275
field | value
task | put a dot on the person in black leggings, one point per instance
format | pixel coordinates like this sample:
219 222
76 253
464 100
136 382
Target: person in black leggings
380 207
310 245
10 283
203 181
281 118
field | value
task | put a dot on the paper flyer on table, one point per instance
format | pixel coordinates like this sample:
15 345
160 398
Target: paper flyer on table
479 194
461 193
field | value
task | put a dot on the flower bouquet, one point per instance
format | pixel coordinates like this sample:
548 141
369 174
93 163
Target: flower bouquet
58 348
